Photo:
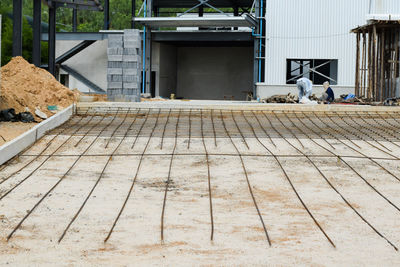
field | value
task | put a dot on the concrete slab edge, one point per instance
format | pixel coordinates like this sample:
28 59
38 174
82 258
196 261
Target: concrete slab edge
17 145
227 105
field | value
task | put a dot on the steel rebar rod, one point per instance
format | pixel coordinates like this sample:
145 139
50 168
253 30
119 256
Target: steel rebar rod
53 187
208 176
35 169
43 150
213 126
97 181
361 128
165 126
240 132
360 137
334 188
190 128
169 177
290 182
357 173
88 131
264 130
119 125
142 125
289 130
133 181
353 149
247 178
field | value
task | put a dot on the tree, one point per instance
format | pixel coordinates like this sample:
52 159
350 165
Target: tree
88 21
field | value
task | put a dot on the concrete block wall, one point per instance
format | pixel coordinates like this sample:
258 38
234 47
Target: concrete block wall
123 72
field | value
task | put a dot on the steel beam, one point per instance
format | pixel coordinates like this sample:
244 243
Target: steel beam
37 32
201 11
148 54
133 7
195 22
257 40
74 19
52 40
73 51
106 25
79 4
17 28
83 79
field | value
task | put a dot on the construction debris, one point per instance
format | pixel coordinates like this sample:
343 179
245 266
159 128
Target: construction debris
354 100
10 115
289 98
24 85
392 102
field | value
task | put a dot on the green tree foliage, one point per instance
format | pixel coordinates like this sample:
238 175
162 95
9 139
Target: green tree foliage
6 39
27 35
88 21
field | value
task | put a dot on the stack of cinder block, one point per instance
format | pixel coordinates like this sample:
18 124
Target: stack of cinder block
123 74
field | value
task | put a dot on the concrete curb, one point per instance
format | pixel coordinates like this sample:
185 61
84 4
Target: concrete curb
12 148
227 105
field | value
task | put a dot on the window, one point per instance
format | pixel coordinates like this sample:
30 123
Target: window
317 70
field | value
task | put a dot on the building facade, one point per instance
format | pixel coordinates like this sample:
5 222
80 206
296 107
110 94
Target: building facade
312 38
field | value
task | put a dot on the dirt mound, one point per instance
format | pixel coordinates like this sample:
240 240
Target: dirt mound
24 85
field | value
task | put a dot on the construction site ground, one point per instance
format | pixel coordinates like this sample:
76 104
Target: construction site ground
11 130
206 186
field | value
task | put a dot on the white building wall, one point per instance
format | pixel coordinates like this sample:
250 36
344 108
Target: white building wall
385 7
91 63
315 29
312 29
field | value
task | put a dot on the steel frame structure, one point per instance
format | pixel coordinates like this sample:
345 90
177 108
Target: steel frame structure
93 5
151 8
377 59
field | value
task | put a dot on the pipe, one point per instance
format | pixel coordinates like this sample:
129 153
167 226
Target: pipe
144 51
259 35
260 49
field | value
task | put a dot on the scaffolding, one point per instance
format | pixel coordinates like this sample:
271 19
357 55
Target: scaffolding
377 60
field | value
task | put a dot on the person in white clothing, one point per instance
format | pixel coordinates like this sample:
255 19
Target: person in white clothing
305 88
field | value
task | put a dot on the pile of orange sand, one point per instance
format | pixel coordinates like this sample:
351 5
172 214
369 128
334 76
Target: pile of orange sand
24 85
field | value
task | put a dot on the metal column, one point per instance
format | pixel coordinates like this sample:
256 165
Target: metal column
201 11
74 19
106 25
235 14
37 32
17 28
52 38
257 40
148 48
133 13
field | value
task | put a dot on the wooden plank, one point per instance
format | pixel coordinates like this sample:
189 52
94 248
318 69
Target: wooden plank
392 39
396 64
363 65
375 65
358 66
369 87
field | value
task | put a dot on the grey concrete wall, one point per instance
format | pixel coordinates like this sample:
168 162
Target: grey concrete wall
123 72
91 63
168 70
212 72
155 64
